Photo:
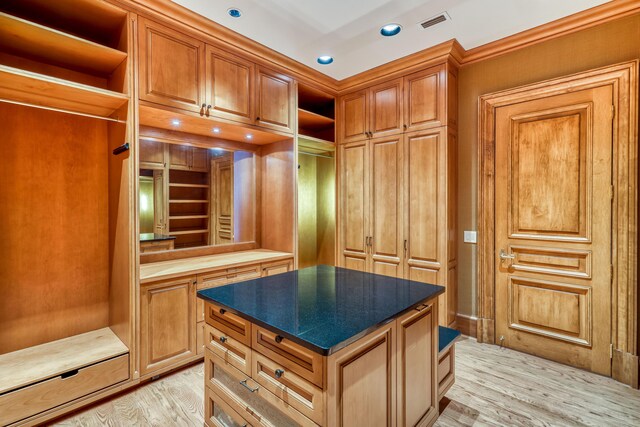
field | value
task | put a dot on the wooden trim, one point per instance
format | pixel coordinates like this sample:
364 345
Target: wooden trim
467 325
623 79
570 24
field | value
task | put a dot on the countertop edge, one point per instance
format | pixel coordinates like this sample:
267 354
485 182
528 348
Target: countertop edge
154 278
322 351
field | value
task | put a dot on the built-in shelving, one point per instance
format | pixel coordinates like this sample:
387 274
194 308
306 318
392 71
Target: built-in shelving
316 113
180 232
311 145
189 199
37 42
178 217
28 88
173 184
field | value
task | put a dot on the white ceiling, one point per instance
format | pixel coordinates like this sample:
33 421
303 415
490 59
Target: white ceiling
348 30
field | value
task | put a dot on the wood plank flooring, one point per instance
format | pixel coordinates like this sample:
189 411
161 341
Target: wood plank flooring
494 387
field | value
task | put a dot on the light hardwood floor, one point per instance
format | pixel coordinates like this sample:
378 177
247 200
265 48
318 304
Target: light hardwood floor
493 386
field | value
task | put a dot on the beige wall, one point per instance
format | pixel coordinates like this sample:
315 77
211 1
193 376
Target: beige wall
613 42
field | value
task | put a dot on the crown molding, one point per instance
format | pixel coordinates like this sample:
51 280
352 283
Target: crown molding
450 51
609 11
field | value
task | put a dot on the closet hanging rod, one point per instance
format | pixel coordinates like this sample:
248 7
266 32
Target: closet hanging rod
315 155
61 110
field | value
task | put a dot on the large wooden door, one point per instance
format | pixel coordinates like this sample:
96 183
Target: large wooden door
354 222
386 233
172 67
553 227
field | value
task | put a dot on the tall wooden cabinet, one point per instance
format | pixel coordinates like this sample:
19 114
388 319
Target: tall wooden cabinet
397 188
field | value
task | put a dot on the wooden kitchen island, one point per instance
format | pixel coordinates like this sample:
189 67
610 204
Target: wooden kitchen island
321 346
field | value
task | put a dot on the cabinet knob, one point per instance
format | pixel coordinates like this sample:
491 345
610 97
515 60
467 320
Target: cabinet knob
404 127
223 339
223 311
279 338
279 373
257 118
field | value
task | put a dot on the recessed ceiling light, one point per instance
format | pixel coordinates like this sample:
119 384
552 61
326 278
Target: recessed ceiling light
216 130
249 136
390 30
175 122
234 12
325 60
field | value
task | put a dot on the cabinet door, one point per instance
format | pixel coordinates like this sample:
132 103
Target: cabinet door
425 99
274 108
417 364
230 86
278 267
361 381
167 323
425 215
386 108
354 114
354 205
171 67
179 157
386 242
151 154
199 159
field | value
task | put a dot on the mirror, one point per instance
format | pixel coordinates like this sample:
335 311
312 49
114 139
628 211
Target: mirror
192 196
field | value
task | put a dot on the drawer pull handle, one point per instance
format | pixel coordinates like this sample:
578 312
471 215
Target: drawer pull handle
223 311
69 374
223 339
279 338
279 373
245 385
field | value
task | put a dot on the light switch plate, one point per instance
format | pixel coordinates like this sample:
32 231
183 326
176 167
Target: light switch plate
471 236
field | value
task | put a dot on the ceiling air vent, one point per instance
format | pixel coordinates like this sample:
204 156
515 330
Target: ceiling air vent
444 16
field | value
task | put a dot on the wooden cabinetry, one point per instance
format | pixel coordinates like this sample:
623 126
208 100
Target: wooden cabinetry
182 71
278 267
230 86
167 323
417 375
172 67
274 101
152 154
185 157
397 192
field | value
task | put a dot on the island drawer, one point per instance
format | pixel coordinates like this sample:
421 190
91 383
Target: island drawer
251 401
228 349
446 371
292 356
229 323
218 413
288 386
33 399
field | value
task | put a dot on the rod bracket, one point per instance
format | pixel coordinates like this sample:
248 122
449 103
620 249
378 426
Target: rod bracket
121 149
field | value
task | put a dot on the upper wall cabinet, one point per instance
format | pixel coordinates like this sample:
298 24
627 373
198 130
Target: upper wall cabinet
183 72
172 67
230 86
354 116
274 101
374 112
425 98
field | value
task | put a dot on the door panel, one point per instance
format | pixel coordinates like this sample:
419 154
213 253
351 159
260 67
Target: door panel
151 154
222 183
386 206
355 202
355 116
553 222
274 104
171 67
199 159
424 99
179 157
386 108
230 81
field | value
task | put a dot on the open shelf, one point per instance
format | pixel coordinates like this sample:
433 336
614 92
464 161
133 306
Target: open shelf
188 201
311 145
313 121
183 217
188 185
180 232
34 41
94 20
27 88
34 364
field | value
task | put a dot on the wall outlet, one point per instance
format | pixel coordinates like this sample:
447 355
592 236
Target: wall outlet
471 236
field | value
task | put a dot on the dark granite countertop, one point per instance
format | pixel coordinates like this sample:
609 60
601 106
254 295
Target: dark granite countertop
322 308
153 237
